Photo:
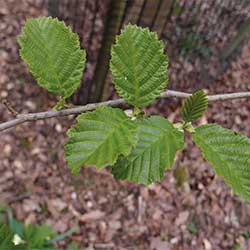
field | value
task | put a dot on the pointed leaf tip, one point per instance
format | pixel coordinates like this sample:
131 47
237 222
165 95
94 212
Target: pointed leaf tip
138 65
194 106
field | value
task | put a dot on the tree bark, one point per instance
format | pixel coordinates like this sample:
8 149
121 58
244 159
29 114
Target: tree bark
199 34
111 28
87 19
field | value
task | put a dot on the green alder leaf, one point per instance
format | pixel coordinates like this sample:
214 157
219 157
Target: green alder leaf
229 153
158 142
194 106
53 55
6 237
139 65
98 138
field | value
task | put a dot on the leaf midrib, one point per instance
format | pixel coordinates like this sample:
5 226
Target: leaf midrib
136 83
163 133
115 128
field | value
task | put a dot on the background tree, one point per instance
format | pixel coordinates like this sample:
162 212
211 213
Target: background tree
207 34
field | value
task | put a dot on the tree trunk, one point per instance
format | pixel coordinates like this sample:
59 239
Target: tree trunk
200 36
87 18
111 28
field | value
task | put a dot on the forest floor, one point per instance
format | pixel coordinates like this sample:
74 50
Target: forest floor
199 213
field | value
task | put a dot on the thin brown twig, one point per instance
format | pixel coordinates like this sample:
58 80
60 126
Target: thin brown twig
22 118
9 107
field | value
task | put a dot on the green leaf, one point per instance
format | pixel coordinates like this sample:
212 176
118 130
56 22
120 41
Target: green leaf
15 225
194 106
98 138
138 65
158 142
43 232
52 52
36 237
229 153
6 236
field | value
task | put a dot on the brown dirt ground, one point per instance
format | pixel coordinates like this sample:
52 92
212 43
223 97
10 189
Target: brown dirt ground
34 179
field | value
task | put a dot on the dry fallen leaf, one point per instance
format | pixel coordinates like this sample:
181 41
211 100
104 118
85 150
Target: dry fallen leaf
158 244
87 217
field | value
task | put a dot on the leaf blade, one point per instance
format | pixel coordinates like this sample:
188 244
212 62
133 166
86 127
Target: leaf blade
6 237
53 55
138 65
229 153
158 142
99 138
194 106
